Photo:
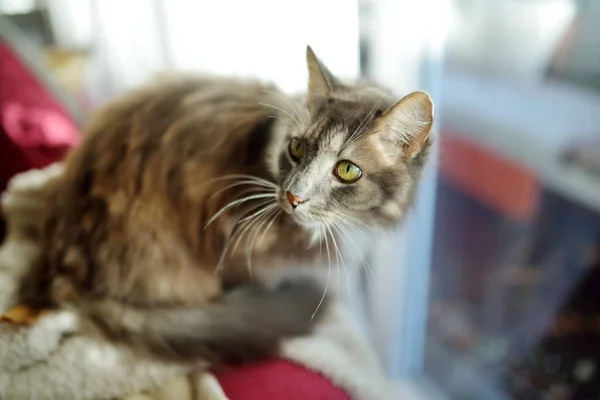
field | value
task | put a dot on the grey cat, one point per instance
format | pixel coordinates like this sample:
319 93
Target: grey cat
192 175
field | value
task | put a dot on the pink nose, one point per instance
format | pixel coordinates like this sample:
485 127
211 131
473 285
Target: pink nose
293 199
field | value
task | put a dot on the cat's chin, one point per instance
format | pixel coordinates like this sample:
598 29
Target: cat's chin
308 223
313 229
303 222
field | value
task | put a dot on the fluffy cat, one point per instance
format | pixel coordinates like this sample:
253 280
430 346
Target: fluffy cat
192 176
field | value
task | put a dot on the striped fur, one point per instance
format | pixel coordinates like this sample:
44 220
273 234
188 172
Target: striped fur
131 238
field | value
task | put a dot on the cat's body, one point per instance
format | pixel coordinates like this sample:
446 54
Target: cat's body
126 224
130 240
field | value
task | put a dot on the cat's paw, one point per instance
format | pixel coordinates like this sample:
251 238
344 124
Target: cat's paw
294 303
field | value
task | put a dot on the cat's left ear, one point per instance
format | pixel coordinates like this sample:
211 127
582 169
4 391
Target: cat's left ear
408 123
321 82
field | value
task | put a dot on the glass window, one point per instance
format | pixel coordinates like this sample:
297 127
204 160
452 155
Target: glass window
512 304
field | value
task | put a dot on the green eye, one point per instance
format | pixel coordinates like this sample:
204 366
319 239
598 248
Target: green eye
297 149
347 172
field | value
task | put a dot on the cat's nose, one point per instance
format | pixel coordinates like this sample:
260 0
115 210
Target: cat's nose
293 199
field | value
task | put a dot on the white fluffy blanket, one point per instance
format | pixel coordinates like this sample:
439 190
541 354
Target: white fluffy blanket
51 361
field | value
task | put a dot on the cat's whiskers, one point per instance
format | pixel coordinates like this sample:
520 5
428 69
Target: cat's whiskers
345 235
248 224
235 233
356 249
259 186
270 224
344 215
315 234
341 225
354 134
358 132
337 265
271 195
239 232
306 108
290 103
320 243
267 191
259 212
328 276
343 219
252 239
341 258
256 179
283 111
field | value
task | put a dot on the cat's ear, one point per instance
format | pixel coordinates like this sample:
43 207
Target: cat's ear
408 123
321 82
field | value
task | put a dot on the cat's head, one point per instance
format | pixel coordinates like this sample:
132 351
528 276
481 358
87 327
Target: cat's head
350 152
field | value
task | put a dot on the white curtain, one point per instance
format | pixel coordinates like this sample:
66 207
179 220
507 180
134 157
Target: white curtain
132 40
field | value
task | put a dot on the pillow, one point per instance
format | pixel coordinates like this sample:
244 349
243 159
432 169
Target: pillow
35 130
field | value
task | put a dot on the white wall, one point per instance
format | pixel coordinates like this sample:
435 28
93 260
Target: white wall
263 38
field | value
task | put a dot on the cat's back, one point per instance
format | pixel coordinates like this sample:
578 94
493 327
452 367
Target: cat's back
164 129
133 195
179 109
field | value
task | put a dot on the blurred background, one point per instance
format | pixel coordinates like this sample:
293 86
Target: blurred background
491 290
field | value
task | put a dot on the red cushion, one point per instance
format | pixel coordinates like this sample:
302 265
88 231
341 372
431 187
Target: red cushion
276 380
35 130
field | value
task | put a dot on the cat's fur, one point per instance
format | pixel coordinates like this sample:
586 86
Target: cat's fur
126 241
51 360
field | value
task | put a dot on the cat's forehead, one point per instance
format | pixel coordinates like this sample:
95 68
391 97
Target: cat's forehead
339 119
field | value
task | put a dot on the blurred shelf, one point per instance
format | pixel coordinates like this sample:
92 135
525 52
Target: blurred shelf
530 124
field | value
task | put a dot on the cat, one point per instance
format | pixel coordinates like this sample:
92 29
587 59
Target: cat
182 188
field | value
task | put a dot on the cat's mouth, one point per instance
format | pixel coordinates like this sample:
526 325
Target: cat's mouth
299 214
296 213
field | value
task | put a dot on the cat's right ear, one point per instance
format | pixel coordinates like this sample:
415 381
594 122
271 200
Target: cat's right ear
321 82
408 123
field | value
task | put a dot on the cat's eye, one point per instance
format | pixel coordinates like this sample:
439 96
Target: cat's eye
297 148
347 172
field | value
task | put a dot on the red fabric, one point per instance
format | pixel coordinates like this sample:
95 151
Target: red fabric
277 380
35 130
